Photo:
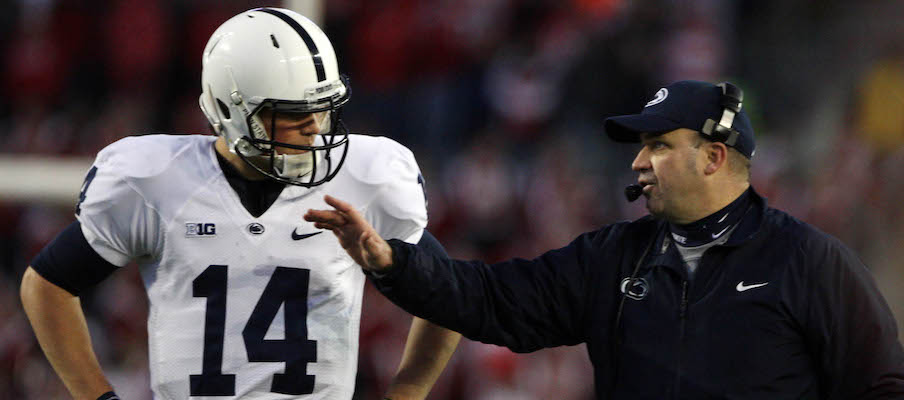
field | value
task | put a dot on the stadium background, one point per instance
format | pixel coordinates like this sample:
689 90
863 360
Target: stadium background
502 103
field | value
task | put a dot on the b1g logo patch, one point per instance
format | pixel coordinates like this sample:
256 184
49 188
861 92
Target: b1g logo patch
638 289
200 229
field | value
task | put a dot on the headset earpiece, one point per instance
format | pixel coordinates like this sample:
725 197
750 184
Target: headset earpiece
731 102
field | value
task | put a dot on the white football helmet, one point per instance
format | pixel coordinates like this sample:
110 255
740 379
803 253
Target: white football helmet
275 58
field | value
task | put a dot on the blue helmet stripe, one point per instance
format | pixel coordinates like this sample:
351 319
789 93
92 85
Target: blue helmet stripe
312 47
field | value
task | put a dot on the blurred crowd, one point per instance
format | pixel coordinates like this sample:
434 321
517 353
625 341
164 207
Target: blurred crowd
502 102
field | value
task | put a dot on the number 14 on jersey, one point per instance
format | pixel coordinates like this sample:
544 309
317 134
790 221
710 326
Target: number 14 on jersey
287 286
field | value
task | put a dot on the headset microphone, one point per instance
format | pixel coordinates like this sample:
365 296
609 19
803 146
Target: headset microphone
633 192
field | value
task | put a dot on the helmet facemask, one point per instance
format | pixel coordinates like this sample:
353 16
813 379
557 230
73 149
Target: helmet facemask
266 150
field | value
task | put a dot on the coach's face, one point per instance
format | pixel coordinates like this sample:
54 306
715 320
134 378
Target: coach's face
670 171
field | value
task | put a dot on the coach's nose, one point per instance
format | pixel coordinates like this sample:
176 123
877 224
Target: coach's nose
641 162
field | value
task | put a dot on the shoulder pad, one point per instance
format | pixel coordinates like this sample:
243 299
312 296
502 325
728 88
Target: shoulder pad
378 159
148 155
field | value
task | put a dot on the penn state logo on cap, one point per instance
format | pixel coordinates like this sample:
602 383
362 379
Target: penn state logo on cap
699 106
659 97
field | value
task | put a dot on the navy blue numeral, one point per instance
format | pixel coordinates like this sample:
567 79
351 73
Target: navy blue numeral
423 182
212 382
81 194
287 286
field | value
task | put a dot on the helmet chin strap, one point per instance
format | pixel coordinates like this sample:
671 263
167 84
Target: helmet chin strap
290 167
294 166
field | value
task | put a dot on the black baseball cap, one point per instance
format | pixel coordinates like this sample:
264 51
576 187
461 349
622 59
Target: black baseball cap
683 104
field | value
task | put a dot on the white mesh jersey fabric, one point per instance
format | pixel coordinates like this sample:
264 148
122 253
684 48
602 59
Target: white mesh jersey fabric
163 201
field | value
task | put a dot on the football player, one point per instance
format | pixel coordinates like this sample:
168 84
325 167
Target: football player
247 300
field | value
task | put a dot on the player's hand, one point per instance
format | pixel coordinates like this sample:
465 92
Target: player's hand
356 236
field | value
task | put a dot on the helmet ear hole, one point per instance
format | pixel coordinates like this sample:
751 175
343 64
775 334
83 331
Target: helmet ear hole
223 109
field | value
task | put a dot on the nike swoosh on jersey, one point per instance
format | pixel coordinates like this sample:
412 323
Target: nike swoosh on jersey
741 287
296 236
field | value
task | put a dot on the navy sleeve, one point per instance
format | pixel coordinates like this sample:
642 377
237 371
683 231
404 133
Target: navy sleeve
849 327
429 243
70 263
524 305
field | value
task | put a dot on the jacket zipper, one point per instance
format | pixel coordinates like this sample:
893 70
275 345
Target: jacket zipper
683 317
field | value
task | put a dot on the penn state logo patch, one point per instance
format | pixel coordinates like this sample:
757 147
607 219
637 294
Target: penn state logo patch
658 97
638 289
255 228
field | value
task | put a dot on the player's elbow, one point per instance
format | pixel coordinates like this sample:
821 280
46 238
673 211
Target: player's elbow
35 288
30 287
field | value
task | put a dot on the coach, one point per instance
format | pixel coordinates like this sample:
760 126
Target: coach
713 295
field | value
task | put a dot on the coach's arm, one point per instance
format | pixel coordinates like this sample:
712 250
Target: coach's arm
524 305
848 325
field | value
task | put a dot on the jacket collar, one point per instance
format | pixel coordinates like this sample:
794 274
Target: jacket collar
752 221
664 252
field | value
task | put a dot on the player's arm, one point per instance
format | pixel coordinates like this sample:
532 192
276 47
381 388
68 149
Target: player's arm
59 324
399 210
49 293
850 327
427 351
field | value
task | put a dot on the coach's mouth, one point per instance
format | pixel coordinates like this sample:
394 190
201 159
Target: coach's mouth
647 186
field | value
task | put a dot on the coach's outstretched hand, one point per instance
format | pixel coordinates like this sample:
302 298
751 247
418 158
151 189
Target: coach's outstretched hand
357 237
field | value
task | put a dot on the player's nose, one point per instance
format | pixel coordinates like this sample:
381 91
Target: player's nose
301 132
310 129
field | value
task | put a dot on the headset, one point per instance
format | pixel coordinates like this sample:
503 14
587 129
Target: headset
722 131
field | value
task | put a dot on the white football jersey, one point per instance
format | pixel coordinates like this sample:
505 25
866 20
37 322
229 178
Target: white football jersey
244 307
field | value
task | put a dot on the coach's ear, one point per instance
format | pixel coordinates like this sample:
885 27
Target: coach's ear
716 156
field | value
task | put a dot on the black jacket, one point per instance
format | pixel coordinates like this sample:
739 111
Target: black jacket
780 311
